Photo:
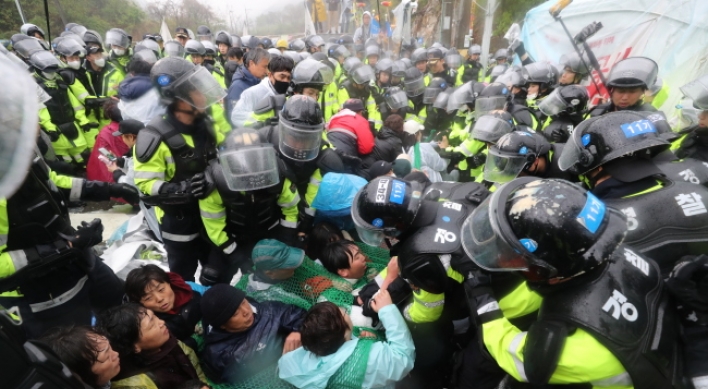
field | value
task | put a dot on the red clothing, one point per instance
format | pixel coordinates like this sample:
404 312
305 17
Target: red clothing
356 125
182 291
95 169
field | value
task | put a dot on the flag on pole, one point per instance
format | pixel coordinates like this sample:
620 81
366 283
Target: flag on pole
165 31
309 25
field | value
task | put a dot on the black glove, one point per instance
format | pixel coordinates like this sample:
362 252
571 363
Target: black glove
201 185
476 160
69 130
354 163
87 235
120 162
518 47
54 135
125 192
480 297
688 283
89 126
559 135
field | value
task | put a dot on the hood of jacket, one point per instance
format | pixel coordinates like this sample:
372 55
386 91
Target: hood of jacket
134 87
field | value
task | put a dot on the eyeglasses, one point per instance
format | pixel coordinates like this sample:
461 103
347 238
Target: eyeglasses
432 61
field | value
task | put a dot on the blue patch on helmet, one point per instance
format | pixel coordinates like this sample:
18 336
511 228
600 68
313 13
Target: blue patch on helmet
592 213
378 223
585 139
523 150
446 219
443 85
505 91
163 80
639 127
529 244
398 192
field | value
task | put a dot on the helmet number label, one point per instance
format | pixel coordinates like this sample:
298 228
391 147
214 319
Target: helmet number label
691 204
637 128
398 192
592 213
618 305
444 236
381 191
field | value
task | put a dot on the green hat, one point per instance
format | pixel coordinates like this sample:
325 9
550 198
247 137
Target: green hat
271 254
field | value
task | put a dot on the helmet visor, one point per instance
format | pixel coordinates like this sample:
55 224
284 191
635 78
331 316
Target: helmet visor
311 71
500 168
490 129
27 47
147 56
572 151
299 143
441 101
44 60
414 87
363 74
697 90
453 60
485 105
430 95
342 51
115 38
250 168
396 100
199 89
553 104
174 49
482 241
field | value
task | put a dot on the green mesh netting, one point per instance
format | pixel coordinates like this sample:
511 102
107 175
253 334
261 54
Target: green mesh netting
311 284
351 374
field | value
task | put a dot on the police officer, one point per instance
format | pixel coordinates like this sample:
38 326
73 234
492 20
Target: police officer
472 70
514 79
500 57
541 78
252 200
195 51
327 89
603 319
223 44
496 96
48 270
63 116
426 224
314 44
119 43
439 68
613 152
171 155
628 81
357 86
419 58
173 49
204 33
575 69
100 79
414 84
694 141
211 63
565 108
371 55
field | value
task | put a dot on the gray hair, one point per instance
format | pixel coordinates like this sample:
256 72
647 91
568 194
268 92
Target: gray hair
255 55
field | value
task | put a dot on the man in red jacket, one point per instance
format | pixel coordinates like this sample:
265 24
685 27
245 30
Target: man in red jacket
349 132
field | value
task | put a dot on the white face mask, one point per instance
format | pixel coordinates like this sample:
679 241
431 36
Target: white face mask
49 76
119 52
101 62
532 97
74 64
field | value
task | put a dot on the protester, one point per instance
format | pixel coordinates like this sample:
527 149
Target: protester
95 168
255 67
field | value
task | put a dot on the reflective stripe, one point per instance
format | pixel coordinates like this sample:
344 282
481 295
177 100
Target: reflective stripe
78 108
700 382
230 249
82 96
288 224
465 151
445 260
379 280
59 300
406 312
77 186
169 159
429 305
292 203
315 181
19 259
179 238
488 307
156 187
3 239
513 347
212 215
619 380
149 175
78 158
310 211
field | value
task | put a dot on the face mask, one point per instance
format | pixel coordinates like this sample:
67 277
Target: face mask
101 62
281 87
49 76
209 61
74 64
531 97
119 52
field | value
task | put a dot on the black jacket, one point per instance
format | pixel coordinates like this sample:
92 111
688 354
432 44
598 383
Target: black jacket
388 145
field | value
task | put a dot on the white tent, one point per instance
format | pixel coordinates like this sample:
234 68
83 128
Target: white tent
671 32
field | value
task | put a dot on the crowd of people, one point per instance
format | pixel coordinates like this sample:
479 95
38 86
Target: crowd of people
336 215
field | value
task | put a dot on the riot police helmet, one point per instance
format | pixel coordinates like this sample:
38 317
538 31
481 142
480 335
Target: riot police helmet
513 153
566 100
246 163
177 78
633 72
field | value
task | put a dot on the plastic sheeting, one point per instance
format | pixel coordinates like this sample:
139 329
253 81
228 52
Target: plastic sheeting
671 32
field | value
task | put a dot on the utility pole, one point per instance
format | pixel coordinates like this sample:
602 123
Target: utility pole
487 37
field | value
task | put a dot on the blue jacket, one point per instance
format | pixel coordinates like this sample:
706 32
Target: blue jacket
388 362
233 357
134 87
243 79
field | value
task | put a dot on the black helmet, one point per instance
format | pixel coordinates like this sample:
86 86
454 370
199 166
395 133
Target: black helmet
474 49
385 207
498 71
345 40
117 37
194 47
298 45
424 271
453 59
697 90
399 69
223 37
512 77
420 54
493 97
322 57
246 163
253 42
337 51
311 73
314 41
437 45
550 239
407 62
236 41
203 32
575 64
371 42
501 53
70 35
300 128
512 154
148 44
442 99
566 100
177 78
173 49
44 61
633 72
436 85
31 29
414 82
601 139
395 98
75 28
362 74
385 65
372 50
464 96
66 47
492 126
267 43
25 45
359 48
350 63
541 73
209 48
92 37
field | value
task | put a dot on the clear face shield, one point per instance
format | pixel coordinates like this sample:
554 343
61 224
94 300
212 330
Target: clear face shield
697 90
500 168
483 242
553 104
310 71
300 142
396 100
490 129
453 61
370 234
430 95
174 49
250 168
363 75
572 150
414 87
199 89
115 38
485 105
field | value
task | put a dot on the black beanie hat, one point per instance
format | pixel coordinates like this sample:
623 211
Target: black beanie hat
219 303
